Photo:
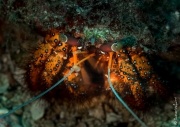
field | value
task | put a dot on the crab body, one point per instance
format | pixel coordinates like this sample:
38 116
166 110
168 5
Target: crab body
131 73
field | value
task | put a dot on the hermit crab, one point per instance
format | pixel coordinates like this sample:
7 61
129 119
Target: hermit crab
80 71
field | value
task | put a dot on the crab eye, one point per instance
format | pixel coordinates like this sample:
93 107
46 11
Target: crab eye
63 37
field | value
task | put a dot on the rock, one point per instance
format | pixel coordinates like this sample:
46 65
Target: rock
4 82
81 125
97 112
71 122
19 111
26 123
16 125
3 111
48 124
168 107
112 117
4 98
18 75
3 123
159 123
90 122
14 119
130 125
62 114
37 109
97 123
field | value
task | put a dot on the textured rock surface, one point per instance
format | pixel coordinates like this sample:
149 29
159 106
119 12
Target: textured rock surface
4 82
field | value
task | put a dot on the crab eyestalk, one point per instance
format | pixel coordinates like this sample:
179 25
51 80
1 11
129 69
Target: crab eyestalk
111 47
119 44
69 40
